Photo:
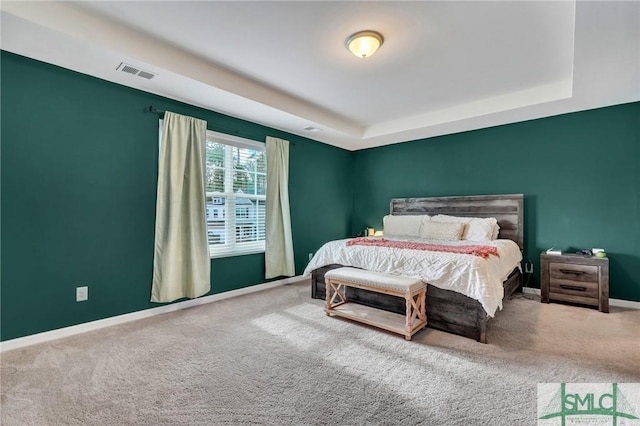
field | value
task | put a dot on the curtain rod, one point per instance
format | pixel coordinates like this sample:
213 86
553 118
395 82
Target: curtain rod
155 111
221 129
161 114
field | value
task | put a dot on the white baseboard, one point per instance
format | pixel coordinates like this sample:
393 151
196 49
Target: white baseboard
612 302
121 319
531 290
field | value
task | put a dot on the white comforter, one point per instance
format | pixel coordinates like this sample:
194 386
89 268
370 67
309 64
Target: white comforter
481 279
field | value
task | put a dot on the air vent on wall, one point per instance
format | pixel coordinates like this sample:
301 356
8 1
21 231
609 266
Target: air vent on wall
145 74
130 69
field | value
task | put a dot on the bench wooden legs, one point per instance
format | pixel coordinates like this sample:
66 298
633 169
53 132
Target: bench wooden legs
416 312
339 292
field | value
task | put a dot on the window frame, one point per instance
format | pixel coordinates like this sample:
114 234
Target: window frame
234 248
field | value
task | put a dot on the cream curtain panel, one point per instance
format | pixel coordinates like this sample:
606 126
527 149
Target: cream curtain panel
181 263
278 241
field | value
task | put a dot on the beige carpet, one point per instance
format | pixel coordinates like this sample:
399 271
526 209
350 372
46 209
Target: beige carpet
274 358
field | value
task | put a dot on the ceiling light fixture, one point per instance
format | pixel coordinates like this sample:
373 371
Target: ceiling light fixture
364 43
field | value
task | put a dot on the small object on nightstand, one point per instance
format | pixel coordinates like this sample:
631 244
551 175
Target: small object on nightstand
575 278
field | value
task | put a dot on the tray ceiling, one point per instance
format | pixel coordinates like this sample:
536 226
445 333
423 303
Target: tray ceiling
444 67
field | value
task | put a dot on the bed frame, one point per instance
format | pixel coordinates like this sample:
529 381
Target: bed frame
448 310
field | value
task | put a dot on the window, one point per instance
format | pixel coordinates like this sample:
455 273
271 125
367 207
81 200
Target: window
236 183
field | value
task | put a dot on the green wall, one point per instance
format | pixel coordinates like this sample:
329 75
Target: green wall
579 172
79 170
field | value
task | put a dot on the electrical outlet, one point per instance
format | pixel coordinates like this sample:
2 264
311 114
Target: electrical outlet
528 268
310 256
82 294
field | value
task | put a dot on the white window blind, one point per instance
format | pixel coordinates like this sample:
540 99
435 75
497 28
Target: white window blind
236 183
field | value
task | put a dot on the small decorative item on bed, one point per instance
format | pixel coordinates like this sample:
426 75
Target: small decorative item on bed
468 250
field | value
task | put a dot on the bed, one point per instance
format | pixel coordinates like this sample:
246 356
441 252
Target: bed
448 310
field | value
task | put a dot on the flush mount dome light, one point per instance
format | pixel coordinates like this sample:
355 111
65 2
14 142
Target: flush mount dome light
364 43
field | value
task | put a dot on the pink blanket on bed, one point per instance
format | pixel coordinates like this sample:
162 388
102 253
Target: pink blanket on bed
482 251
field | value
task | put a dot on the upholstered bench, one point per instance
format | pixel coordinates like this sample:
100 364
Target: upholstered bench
413 290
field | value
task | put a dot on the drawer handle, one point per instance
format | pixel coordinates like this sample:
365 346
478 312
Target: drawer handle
571 271
573 287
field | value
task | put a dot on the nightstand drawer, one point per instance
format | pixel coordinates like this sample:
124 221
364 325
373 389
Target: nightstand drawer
573 283
571 272
574 288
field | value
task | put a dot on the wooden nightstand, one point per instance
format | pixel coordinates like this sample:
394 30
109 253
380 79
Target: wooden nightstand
574 278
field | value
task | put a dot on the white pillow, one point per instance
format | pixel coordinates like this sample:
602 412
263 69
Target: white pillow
477 229
403 226
451 231
496 231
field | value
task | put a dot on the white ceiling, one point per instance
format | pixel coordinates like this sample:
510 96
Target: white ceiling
444 67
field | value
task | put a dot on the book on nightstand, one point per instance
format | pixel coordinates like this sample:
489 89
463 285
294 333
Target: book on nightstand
554 250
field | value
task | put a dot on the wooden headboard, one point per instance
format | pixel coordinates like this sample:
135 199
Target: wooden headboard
507 209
